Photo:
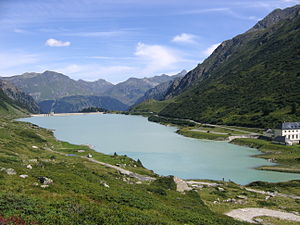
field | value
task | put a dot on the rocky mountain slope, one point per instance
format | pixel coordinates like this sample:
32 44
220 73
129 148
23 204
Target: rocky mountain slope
134 89
159 92
15 101
250 80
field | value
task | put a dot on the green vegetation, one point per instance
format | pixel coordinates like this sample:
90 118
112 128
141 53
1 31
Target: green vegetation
257 86
270 220
290 188
10 108
201 135
224 130
232 196
288 157
150 105
170 121
93 109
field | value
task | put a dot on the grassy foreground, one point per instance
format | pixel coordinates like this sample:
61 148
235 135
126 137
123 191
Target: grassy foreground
83 192
229 196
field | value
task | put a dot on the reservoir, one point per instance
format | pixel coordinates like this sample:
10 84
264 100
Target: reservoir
161 149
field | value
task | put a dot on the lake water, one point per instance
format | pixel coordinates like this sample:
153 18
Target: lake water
161 149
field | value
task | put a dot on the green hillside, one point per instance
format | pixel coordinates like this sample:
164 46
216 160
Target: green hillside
257 84
150 106
9 108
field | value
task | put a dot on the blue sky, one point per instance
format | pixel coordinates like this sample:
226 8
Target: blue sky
118 39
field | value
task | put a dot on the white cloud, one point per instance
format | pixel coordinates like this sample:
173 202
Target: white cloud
156 57
210 49
56 43
185 38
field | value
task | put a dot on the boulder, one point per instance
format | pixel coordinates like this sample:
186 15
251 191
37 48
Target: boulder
45 180
29 167
10 171
181 185
220 189
33 160
242 197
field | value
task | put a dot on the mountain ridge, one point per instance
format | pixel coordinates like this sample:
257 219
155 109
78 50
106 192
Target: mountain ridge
251 80
226 49
51 85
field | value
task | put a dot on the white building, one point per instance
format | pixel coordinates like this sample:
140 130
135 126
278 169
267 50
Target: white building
290 131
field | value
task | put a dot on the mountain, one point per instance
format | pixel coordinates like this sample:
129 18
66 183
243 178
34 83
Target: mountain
230 48
250 80
97 87
133 89
159 92
15 102
51 85
73 104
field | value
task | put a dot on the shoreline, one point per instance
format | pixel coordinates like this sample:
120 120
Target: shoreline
66 114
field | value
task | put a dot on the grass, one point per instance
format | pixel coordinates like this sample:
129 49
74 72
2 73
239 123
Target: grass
227 131
247 129
151 105
78 194
186 131
270 220
216 200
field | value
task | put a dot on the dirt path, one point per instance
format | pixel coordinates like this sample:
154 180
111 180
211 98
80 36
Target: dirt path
248 214
121 170
220 126
273 193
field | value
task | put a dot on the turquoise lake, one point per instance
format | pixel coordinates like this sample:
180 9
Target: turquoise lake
161 149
